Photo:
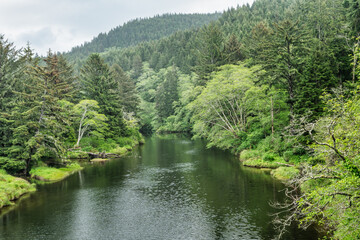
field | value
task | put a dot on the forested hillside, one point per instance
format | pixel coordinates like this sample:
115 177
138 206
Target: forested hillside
142 30
276 82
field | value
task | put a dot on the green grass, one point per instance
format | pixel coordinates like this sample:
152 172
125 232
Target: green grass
11 188
285 173
119 150
259 163
49 174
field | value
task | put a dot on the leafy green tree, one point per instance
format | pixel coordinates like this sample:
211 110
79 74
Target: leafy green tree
224 114
137 67
90 119
330 191
317 77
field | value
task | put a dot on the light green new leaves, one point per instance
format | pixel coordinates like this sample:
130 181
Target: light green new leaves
90 119
223 109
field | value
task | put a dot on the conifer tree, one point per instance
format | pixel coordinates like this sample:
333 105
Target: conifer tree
127 91
210 53
167 94
39 122
11 70
281 56
97 83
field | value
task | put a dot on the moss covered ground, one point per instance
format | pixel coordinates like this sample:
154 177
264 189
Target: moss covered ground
12 188
50 174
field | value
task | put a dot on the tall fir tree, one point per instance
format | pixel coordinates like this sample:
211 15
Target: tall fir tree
11 71
127 91
39 122
97 83
167 94
210 52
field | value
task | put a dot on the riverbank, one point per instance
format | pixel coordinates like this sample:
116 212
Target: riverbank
12 188
170 177
50 174
279 168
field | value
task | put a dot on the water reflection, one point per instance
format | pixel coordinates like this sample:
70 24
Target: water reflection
171 188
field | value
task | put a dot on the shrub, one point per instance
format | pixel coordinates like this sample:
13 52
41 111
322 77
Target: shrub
250 154
285 173
119 150
11 165
259 163
123 141
269 157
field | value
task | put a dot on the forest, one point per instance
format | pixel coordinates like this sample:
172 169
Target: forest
275 82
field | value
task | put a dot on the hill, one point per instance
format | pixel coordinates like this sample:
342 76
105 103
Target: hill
142 30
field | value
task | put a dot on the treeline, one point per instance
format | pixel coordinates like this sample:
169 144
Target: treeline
142 30
276 82
46 110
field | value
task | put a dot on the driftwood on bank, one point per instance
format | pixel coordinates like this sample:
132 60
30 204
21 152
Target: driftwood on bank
102 155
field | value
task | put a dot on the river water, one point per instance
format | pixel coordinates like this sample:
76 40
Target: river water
170 188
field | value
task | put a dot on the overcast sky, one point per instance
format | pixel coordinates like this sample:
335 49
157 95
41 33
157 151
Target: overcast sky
63 24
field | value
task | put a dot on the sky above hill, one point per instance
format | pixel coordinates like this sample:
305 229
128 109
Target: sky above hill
60 25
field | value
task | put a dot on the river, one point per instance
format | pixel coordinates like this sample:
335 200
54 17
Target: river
169 188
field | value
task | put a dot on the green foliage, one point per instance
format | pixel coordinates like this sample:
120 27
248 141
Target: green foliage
250 154
11 165
259 163
128 94
119 150
97 83
89 120
269 157
142 30
229 106
285 173
77 155
167 94
12 188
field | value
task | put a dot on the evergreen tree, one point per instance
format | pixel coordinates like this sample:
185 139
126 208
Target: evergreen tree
127 91
11 71
137 66
317 78
97 83
282 57
39 122
167 94
210 53
233 50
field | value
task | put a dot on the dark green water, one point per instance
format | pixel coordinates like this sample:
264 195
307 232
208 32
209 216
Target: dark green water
170 188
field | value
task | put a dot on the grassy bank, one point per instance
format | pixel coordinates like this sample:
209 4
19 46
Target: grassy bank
49 174
280 169
12 188
94 147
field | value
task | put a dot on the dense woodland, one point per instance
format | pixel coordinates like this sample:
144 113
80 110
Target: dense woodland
276 81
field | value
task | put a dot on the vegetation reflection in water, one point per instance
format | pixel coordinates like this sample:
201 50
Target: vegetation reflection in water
171 188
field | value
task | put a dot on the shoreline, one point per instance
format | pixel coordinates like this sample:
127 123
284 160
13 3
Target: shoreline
11 191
